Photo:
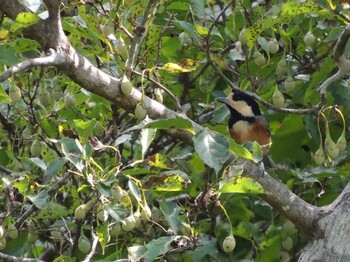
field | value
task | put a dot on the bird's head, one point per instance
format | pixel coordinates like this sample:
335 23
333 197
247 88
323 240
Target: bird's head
241 103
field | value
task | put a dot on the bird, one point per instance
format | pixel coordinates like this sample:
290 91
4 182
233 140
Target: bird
246 123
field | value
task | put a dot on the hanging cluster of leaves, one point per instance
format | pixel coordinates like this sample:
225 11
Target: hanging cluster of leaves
80 175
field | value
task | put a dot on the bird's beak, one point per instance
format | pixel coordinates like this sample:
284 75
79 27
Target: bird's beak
222 100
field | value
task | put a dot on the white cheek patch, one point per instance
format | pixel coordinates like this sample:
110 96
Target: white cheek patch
242 107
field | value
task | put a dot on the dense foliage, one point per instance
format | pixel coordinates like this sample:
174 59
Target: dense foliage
131 189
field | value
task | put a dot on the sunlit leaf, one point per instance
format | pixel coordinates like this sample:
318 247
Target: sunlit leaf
84 128
160 161
169 182
201 30
102 233
4 34
24 20
175 68
242 185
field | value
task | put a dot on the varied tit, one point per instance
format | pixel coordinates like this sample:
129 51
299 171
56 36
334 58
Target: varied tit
246 122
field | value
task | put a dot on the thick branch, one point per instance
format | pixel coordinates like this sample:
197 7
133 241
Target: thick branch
8 258
301 213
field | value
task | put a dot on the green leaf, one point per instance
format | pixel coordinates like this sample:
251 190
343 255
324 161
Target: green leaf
53 210
24 20
201 30
147 136
171 212
212 148
40 199
84 128
242 185
53 168
8 55
3 96
72 150
206 246
102 233
158 247
50 127
117 211
240 151
134 189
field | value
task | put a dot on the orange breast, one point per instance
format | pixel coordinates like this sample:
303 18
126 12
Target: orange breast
258 131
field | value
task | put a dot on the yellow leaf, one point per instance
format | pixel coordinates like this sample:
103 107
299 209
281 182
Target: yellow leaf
160 161
4 34
175 68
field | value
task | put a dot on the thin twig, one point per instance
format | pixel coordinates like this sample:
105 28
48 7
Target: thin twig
53 59
139 31
89 257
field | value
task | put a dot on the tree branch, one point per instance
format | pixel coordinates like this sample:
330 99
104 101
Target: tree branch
301 213
8 258
339 58
53 59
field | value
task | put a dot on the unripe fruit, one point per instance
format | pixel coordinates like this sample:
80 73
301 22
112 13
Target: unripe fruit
69 100
289 84
32 236
116 229
287 244
121 47
2 243
229 244
146 212
140 111
242 37
57 93
84 244
117 193
2 231
137 218
107 30
15 93
36 148
56 234
272 46
80 212
129 223
158 95
282 67
319 156
12 231
341 143
126 86
45 97
102 214
309 39
289 227
284 256
331 147
185 39
259 59
278 98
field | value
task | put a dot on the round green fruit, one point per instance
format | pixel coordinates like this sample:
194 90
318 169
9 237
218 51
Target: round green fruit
229 244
